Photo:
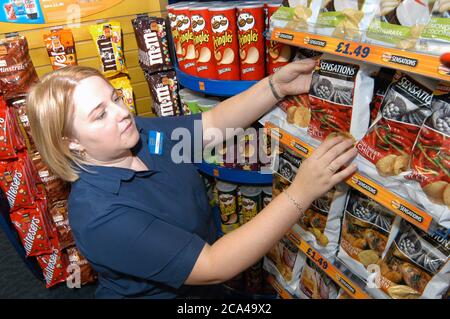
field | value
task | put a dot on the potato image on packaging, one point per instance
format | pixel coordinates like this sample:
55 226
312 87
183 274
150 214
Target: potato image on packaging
385 166
205 55
228 57
368 257
285 55
190 52
435 191
252 56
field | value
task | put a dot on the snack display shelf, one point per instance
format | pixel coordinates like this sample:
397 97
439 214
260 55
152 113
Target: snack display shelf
363 184
414 62
282 292
349 286
235 175
213 87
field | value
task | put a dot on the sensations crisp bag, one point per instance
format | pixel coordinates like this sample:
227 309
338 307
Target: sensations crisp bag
388 144
340 95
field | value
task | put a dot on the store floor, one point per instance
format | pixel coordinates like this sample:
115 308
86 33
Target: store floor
17 281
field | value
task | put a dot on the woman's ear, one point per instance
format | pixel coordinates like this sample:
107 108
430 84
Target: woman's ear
73 144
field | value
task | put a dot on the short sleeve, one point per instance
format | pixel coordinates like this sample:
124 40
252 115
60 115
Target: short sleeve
136 243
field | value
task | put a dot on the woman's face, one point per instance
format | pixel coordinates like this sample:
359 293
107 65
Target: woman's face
103 126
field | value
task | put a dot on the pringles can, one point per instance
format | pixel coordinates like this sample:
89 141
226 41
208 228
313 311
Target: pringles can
266 196
250 202
277 54
226 47
185 48
250 22
228 205
203 42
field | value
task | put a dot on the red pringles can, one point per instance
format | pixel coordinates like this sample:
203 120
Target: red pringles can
203 42
277 54
172 15
226 46
251 26
185 48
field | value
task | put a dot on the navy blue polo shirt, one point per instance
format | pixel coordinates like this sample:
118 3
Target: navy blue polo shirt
143 231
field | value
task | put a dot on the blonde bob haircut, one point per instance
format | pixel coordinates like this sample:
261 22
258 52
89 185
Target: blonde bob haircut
50 108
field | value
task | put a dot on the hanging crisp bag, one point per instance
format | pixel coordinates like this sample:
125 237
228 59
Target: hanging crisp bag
388 144
108 41
365 231
60 48
398 23
430 159
300 15
345 19
415 265
435 37
340 95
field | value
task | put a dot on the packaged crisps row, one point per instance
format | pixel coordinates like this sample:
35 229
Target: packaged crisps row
108 41
226 41
430 160
403 261
285 262
17 72
340 95
406 24
124 90
60 48
415 265
365 231
315 283
153 44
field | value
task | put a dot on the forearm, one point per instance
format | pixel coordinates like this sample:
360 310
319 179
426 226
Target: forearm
241 110
242 248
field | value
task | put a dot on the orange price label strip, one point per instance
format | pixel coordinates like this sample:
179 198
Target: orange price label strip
397 205
392 202
422 64
216 172
278 288
201 86
335 274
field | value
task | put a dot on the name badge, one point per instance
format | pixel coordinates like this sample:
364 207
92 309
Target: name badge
155 142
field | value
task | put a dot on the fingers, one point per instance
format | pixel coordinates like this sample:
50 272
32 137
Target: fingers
325 147
303 66
344 158
336 151
344 174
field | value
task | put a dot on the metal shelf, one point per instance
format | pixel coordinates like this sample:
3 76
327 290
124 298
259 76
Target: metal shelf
235 175
212 87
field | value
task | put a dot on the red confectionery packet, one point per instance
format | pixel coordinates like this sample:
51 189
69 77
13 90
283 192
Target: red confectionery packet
17 72
15 182
54 266
19 106
31 227
87 274
7 150
55 187
16 133
60 218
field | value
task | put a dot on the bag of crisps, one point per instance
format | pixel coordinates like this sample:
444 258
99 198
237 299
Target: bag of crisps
108 40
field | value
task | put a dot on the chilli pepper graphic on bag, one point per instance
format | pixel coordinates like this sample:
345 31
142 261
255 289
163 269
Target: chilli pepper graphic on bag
389 142
431 154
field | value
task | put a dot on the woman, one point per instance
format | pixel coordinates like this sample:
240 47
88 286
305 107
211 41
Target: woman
142 220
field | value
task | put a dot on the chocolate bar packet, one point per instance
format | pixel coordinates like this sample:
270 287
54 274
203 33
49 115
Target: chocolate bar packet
153 45
164 90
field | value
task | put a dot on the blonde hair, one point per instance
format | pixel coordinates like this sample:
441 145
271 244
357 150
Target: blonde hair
50 107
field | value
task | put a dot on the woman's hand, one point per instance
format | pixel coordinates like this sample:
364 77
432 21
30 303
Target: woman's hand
320 172
294 78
